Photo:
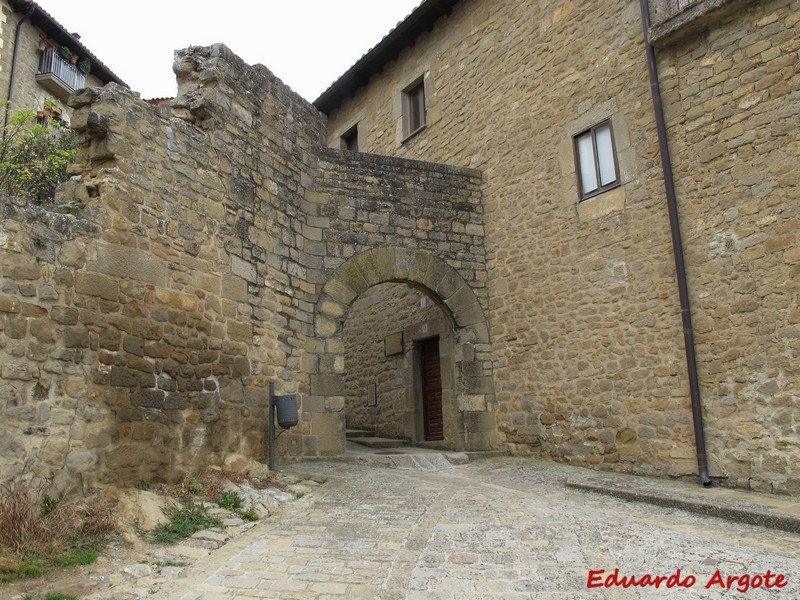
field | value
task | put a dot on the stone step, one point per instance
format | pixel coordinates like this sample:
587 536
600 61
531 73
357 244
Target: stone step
380 442
431 461
358 433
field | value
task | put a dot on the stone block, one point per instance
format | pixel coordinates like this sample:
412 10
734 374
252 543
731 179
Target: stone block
81 461
124 377
9 304
482 421
134 345
330 445
472 402
47 293
16 328
239 332
43 330
64 315
177 300
32 310
340 291
325 327
124 262
326 385
234 288
16 371
478 385
23 270
448 281
54 451
76 337
94 284
244 269
110 339
351 276
308 446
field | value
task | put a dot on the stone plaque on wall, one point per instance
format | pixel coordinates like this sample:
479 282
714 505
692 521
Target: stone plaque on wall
393 344
372 394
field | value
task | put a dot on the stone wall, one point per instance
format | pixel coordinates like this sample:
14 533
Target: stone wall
138 340
173 306
587 344
731 98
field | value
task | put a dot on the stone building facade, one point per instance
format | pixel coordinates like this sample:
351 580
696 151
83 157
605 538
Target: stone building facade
587 343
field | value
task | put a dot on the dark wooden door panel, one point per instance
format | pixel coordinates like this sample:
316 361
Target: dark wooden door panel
432 418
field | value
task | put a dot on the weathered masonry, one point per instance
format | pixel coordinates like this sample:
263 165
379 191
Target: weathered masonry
551 100
217 250
534 282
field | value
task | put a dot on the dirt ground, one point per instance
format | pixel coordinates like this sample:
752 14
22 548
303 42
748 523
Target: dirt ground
131 566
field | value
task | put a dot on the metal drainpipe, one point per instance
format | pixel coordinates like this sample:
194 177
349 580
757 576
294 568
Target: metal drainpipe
677 250
14 66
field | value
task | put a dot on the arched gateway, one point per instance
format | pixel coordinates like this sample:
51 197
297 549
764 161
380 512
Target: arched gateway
473 420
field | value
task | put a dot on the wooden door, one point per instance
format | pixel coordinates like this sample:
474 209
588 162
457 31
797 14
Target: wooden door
431 370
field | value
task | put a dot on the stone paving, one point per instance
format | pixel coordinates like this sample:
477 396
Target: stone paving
496 528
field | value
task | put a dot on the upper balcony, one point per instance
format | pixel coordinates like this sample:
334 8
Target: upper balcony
57 75
671 20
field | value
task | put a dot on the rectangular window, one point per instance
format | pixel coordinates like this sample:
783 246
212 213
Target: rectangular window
349 140
414 108
596 160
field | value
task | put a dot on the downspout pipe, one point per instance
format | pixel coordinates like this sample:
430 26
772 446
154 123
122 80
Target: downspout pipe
14 65
677 250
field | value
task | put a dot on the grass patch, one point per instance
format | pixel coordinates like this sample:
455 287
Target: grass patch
183 523
230 501
38 532
249 515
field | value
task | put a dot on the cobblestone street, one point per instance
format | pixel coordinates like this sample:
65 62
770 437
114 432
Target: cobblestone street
495 528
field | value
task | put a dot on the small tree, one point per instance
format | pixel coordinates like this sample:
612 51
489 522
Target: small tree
33 157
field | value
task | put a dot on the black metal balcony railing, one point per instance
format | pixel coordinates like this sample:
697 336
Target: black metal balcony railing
661 10
51 63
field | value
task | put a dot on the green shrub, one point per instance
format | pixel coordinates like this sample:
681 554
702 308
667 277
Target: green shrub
33 157
230 501
47 506
183 523
249 515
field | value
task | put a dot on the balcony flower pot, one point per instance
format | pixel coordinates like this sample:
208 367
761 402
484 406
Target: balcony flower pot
42 45
73 59
65 52
84 65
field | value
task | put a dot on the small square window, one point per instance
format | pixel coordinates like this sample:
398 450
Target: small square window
349 140
596 160
414 108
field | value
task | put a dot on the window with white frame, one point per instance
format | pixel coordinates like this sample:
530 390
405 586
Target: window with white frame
596 160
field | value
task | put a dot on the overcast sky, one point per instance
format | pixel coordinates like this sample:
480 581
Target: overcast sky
307 43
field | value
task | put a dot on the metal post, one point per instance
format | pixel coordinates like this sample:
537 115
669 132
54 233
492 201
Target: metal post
271 431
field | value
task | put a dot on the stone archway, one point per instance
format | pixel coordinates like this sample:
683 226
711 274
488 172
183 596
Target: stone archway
323 406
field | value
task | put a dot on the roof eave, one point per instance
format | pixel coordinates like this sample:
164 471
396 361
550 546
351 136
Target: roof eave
44 21
388 49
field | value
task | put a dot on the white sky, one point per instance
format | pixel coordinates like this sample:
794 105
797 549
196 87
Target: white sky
308 44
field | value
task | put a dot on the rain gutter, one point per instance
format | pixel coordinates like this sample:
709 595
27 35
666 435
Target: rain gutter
677 250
